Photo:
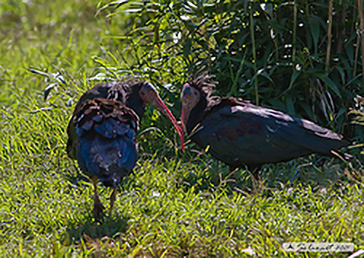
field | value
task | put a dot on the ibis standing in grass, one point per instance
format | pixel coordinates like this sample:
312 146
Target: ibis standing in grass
242 134
102 132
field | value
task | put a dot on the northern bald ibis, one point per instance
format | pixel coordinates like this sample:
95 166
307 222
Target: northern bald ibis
242 134
102 132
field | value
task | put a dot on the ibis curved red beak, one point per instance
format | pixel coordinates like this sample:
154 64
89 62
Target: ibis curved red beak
150 95
184 117
158 103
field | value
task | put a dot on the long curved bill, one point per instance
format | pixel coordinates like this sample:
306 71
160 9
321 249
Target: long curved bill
184 117
158 103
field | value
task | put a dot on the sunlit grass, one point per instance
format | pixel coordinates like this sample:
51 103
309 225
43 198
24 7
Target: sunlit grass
45 212
174 204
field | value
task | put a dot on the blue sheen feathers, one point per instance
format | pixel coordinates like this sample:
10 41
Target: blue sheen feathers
107 145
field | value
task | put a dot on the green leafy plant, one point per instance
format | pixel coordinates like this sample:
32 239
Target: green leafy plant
277 54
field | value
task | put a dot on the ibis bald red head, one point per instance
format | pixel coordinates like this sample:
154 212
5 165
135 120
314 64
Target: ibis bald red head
149 94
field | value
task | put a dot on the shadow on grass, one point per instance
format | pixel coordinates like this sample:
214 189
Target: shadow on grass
88 230
314 171
75 176
212 175
93 231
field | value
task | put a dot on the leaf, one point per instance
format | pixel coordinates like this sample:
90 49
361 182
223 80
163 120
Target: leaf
117 4
41 110
294 76
265 75
357 254
354 79
48 89
268 8
341 72
329 83
59 77
187 47
55 76
38 72
314 23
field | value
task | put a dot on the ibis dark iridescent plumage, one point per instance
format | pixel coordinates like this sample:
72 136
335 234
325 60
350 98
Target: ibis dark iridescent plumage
102 132
242 134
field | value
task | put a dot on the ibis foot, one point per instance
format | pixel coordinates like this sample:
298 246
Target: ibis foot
112 200
98 207
98 211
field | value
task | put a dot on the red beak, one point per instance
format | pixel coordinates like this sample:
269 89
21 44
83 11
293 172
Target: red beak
158 103
183 119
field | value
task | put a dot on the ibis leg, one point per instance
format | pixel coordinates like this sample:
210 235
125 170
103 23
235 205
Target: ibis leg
257 177
233 171
112 200
257 183
98 208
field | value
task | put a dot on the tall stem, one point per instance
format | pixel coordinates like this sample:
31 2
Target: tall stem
254 55
294 30
361 32
329 37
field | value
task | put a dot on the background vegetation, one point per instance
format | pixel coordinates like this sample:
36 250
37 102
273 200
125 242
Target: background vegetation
302 57
177 204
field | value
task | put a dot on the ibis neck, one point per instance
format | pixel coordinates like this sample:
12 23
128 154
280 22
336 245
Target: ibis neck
197 114
135 102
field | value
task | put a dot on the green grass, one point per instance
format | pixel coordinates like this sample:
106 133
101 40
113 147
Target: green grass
183 205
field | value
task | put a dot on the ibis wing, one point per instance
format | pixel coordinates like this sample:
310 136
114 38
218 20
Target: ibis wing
106 146
248 134
106 90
